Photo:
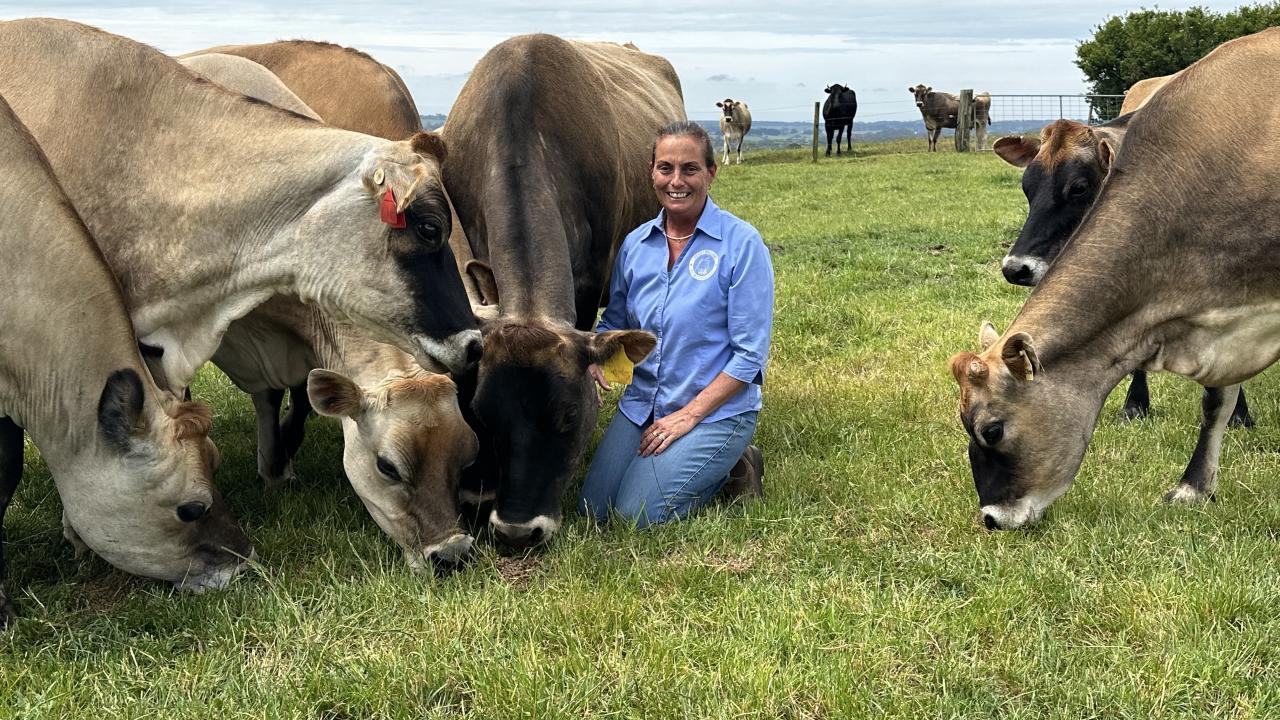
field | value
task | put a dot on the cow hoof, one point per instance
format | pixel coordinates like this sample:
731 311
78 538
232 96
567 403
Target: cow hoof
1134 412
1241 421
1184 494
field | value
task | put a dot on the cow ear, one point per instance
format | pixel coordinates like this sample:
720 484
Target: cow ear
719 105
120 409
1019 355
480 273
1106 154
334 395
1017 151
637 344
987 335
429 144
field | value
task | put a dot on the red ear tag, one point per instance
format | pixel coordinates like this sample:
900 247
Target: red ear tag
388 211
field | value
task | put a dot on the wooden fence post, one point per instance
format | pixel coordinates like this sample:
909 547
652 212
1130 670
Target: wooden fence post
964 120
815 132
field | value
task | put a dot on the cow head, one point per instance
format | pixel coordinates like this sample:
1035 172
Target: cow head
406 445
534 405
921 93
728 106
421 306
1028 430
144 499
1064 171
835 89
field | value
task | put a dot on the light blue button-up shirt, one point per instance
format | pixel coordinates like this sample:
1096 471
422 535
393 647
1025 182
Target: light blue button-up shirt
712 313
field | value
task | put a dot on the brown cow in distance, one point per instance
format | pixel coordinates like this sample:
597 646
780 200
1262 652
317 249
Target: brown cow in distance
344 86
550 143
940 109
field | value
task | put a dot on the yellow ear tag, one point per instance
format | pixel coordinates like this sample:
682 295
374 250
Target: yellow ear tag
617 369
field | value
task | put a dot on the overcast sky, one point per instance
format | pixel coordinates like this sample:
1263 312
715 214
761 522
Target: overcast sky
776 56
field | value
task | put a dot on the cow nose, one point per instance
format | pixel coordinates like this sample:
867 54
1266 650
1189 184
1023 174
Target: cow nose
1019 273
990 521
474 349
518 537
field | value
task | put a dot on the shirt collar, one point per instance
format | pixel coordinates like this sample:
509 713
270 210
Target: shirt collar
711 222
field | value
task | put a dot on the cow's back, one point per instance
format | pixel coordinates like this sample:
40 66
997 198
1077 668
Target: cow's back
346 87
1142 91
248 77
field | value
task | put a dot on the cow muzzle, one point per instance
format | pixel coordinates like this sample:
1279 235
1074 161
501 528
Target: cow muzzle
456 353
521 536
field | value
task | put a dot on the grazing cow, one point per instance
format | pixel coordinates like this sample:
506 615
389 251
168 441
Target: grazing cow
1142 91
837 115
132 464
735 123
406 442
546 192
344 86
1174 268
940 110
248 77
218 201
1064 171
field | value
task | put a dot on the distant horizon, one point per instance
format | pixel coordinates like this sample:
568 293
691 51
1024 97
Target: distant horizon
776 59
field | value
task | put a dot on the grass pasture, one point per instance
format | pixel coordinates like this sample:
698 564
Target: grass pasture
863 586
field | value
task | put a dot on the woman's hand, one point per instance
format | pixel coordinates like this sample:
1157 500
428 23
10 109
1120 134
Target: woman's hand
601 384
659 436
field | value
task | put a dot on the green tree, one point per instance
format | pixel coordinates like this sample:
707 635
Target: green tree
1148 43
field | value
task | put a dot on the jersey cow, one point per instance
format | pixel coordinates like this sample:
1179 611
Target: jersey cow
248 77
837 115
735 123
940 110
1174 268
132 463
218 201
546 191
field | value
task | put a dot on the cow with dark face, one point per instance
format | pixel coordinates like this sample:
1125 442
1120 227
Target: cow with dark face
837 115
548 170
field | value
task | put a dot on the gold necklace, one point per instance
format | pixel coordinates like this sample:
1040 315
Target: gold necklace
679 239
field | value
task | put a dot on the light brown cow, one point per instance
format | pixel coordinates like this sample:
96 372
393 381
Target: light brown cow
940 110
1142 91
206 203
735 123
132 463
345 86
550 145
1176 267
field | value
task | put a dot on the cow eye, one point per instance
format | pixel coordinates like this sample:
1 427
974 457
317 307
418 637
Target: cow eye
993 433
387 469
1078 190
428 231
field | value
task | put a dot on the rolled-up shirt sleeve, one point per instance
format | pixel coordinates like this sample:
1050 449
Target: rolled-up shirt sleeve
750 302
615 312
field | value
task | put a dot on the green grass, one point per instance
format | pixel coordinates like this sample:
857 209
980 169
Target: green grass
862 587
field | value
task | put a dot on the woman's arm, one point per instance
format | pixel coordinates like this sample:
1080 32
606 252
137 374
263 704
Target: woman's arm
665 430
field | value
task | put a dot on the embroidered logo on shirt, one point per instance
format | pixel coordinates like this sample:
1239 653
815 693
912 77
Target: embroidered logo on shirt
703 264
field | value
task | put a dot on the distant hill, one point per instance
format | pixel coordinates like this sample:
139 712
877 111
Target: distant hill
771 134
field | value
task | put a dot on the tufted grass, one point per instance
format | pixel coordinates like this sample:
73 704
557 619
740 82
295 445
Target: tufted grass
863 586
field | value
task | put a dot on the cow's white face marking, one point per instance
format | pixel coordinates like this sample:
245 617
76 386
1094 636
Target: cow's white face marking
1024 510
449 354
547 525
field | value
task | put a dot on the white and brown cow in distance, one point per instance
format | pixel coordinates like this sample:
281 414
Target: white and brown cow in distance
405 440
735 123
216 202
248 77
1176 267
940 110
546 192
132 463
344 86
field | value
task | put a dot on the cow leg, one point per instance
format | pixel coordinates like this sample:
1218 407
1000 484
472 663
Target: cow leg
271 456
10 476
1201 476
1137 403
830 132
1240 417
981 132
934 132
293 429
740 139
848 135
725 159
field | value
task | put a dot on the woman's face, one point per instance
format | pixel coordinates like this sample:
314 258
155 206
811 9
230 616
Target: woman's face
681 176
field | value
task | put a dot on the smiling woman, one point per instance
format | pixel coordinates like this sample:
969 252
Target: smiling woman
701 281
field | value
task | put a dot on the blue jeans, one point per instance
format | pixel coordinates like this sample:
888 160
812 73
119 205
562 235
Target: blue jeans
652 490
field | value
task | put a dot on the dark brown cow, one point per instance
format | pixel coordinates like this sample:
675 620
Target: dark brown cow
940 110
344 86
1176 267
550 143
